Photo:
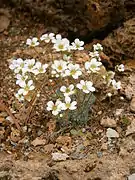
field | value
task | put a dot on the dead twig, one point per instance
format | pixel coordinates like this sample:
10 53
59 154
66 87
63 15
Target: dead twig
4 107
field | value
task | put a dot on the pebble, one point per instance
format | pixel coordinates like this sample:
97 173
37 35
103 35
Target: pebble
131 177
132 105
108 122
131 128
119 112
129 92
111 133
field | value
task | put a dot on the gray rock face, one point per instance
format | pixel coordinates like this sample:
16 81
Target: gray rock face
117 43
131 177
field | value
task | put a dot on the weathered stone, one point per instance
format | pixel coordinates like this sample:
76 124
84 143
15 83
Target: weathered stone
132 105
131 177
111 133
77 18
108 122
131 128
117 43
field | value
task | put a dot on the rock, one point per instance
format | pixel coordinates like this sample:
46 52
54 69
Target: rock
117 43
59 156
77 18
5 176
129 91
119 112
108 122
123 152
131 177
111 133
4 20
132 105
131 128
104 146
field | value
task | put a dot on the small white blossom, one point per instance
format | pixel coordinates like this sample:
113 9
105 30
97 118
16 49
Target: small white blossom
14 64
32 42
85 86
59 67
66 57
58 38
20 63
68 90
68 104
120 68
39 68
109 94
26 87
116 85
94 54
21 78
93 65
29 64
47 37
54 107
61 45
77 44
20 97
73 70
98 47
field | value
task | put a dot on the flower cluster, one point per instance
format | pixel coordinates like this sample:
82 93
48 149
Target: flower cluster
59 43
24 69
65 68
60 106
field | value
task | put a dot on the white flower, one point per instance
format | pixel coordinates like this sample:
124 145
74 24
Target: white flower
58 38
98 47
29 64
120 68
54 107
86 86
61 45
68 90
20 97
116 85
109 94
77 44
32 42
21 78
14 64
39 68
47 37
93 65
68 104
59 66
18 65
26 87
66 57
94 54
74 71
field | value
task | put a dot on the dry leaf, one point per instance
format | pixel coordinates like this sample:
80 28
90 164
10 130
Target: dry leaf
64 140
38 141
2 119
48 148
